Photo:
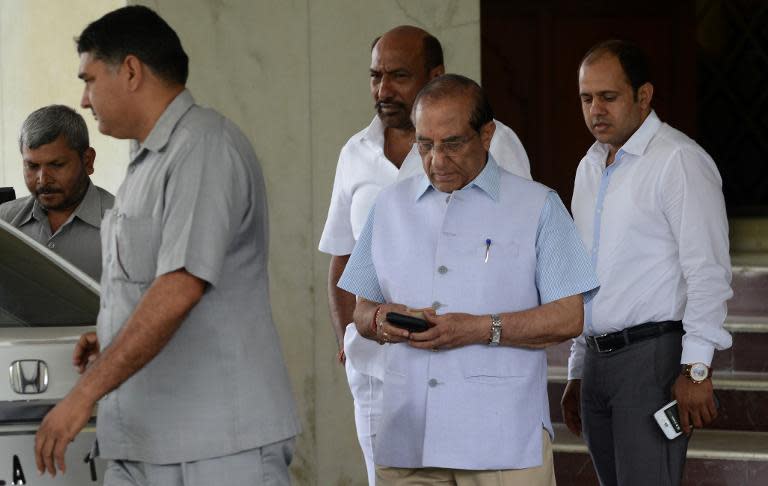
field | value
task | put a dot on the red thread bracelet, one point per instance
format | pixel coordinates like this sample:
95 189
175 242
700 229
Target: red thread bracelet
374 324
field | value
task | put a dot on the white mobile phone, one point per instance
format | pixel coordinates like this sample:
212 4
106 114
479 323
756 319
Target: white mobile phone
668 419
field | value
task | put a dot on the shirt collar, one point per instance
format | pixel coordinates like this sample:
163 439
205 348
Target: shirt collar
161 132
636 145
88 211
37 213
488 180
374 133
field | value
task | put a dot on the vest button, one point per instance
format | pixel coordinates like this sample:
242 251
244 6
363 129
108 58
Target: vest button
442 269
432 383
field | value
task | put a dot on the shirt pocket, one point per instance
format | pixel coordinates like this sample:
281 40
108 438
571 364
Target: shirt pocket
485 257
137 241
481 269
492 365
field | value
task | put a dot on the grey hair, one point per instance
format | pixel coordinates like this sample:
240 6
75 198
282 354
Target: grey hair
46 124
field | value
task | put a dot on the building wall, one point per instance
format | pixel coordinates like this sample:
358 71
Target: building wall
39 67
293 74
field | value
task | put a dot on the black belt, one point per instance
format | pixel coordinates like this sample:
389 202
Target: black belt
605 343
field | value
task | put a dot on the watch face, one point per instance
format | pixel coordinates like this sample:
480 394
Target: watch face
699 372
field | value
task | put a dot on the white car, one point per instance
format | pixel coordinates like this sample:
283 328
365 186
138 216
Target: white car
45 305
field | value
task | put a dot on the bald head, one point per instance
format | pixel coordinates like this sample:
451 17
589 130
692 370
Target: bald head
417 38
403 61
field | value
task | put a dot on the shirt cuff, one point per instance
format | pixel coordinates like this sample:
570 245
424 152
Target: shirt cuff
575 369
576 359
696 351
336 246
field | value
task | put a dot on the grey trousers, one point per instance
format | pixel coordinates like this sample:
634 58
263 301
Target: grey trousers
265 466
620 391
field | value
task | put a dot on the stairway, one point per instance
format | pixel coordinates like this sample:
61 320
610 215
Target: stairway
733 450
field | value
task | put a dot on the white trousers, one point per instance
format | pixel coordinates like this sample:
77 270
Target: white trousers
361 365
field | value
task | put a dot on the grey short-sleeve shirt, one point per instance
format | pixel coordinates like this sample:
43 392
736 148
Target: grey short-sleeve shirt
77 240
194 198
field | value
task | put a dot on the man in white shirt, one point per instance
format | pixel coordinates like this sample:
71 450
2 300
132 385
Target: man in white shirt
648 203
403 60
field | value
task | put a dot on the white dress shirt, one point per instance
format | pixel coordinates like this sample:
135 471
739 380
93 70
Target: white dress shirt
655 224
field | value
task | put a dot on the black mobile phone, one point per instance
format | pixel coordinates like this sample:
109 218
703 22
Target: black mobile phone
409 323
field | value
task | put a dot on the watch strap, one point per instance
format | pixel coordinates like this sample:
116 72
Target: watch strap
495 338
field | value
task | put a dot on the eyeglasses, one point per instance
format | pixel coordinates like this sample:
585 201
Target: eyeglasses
448 148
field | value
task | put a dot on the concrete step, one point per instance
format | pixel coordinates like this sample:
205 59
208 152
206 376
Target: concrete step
748 235
715 458
750 284
748 353
750 342
743 399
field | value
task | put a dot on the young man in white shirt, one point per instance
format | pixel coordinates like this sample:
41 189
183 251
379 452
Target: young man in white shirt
648 204
403 61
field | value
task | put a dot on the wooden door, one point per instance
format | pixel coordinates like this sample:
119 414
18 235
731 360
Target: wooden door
531 51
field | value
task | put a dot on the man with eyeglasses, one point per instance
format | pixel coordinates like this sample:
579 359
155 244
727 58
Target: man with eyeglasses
403 60
497 263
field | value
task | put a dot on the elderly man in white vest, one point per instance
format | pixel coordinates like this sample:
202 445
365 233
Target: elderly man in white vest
493 263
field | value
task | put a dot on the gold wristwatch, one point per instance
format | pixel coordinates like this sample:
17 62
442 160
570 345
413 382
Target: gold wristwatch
696 372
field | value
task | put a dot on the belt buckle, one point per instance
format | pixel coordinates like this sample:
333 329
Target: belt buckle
597 344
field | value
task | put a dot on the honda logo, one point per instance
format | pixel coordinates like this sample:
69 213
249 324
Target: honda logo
29 376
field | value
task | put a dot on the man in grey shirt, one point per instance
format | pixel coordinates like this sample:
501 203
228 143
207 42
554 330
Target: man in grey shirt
65 208
188 367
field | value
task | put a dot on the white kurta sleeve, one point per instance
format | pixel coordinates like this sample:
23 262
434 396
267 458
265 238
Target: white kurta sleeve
338 238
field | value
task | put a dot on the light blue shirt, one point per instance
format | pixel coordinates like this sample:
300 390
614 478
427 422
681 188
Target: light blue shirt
561 263
421 248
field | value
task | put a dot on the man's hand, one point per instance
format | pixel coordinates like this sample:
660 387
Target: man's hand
86 351
386 332
571 406
156 318
451 331
695 403
340 303
58 429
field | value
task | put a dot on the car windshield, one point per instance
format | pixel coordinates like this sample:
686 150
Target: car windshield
37 288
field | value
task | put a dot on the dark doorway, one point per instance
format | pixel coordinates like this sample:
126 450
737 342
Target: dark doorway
709 67
732 54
